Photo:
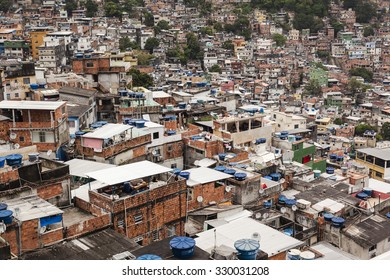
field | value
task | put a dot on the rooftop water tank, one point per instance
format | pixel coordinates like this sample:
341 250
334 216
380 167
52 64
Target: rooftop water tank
333 156
338 222
185 174
368 191
328 217
139 95
344 170
291 138
2 162
140 124
79 133
42 85
262 110
3 206
221 156
261 141
317 173
268 177
285 133
196 137
14 159
293 255
282 200
298 137
307 255
240 176
171 132
267 204
149 257
176 171
362 196
330 170
290 202
247 248
33 157
230 171
288 231
340 158
182 247
169 107
6 216
182 105
388 215
34 86
123 92
233 163
275 176
220 168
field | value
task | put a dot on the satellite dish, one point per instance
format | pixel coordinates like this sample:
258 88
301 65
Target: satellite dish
196 162
228 188
12 135
283 210
294 208
17 212
256 236
258 215
16 146
154 152
42 229
49 152
196 118
265 216
3 228
261 190
372 210
199 199
254 141
282 180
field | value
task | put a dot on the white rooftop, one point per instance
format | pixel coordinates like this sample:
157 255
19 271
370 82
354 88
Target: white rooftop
107 131
32 207
331 252
331 205
203 175
31 105
82 191
379 186
160 94
272 241
79 167
128 172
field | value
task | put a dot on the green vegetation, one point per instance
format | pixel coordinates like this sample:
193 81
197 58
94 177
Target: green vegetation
385 131
5 5
151 43
140 79
313 88
365 9
366 74
91 8
368 31
279 39
115 8
228 45
143 58
126 44
69 6
323 55
361 128
215 68
193 50
240 27
207 30
148 19
338 121
112 9
355 86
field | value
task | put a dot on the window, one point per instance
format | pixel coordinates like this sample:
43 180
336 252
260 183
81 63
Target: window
21 139
63 110
372 248
155 235
173 165
43 137
120 223
156 135
138 219
296 126
16 94
26 81
169 148
378 174
89 64
190 194
171 231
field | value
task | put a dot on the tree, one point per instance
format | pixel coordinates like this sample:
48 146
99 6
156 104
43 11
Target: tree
361 128
5 5
368 31
385 131
140 79
130 5
126 44
112 9
279 39
206 30
337 26
148 19
313 88
163 25
366 74
70 6
228 45
193 49
215 68
323 54
338 121
307 21
218 26
91 7
143 58
151 43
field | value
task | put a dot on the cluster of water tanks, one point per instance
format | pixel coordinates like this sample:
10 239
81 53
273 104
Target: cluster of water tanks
296 255
335 158
5 215
130 94
138 123
365 194
98 124
11 160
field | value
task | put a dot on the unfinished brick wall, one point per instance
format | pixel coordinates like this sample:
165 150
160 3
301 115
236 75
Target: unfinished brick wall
51 237
29 235
88 207
88 226
209 192
4 131
11 237
173 150
50 191
8 174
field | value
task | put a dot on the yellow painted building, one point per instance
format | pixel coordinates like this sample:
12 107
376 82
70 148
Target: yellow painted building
36 41
377 160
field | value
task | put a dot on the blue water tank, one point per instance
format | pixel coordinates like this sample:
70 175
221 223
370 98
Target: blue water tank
139 95
176 171
79 133
196 137
220 168
182 247
2 162
333 156
171 132
182 105
140 124
362 196
275 176
261 141
330 170
230 171
240 176
149 257
338 222
262 110
317 173
247 249
268 177
127 187
290 202
293 255
185 174
284 133
388 215
267 204
34 86
14 159
3 206
340 158
233 163
368 191
123 92
328 217
6 216
41 85
288 231
282 200
221 156
298 137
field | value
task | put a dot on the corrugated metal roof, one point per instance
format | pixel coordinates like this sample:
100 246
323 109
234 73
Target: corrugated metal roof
79 167
203 175
272 241
379 153
107 131
31 105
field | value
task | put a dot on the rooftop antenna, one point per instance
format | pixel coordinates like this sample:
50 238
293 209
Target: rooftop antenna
215 240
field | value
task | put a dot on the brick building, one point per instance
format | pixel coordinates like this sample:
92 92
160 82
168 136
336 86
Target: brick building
40 123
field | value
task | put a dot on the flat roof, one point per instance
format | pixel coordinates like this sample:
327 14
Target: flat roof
128 172
107 131
273 242
376 152
203 175
31 105
32 207
379 186
79 167
331 252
